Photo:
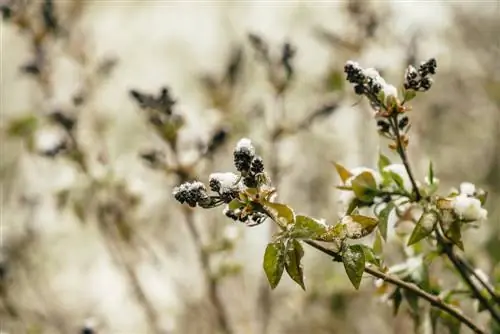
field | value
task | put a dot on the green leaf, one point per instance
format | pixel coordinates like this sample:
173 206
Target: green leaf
431 173
383 161
409 94
383 219
343 172
293 265
397 179
397 298
424 227
23 126
353 258
370 255
283 212
412 300
307 227
358 226
274 262
378 244
455 235
353 206
364 187
234 204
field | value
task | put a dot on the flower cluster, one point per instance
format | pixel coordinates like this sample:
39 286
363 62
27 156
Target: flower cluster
420 79
240 193
369 82
467 204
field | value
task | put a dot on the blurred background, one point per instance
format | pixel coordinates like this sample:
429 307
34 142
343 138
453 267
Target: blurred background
92 239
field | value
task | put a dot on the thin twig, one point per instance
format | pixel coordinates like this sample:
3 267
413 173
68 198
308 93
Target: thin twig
432 299
402 153
450 253
478 277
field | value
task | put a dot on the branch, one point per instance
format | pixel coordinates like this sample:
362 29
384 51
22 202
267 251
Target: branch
402 153
450 253
473 272
432 299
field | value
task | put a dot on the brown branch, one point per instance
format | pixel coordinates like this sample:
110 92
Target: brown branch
432 299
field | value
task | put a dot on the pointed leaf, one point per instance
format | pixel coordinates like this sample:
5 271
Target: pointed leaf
353 206
397 298
353 258
383 161
358 226
397 179
409 94
370 255
412 300
293 264
307 227
364 187
431 173
455 235
383 219
283 212
424 227
274 262
378 244
343 172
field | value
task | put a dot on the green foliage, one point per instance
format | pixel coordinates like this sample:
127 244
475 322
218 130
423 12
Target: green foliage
353 258
343 172
383 161
364 187
294 254
307 228
358 226
274 262
423 228
23 126
383 218
284 213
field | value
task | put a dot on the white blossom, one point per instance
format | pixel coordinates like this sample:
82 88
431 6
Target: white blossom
468 208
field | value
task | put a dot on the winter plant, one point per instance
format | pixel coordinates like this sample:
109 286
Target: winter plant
376 205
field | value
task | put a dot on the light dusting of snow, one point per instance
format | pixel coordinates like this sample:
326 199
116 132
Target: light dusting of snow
467 188
245 144
468 208
227 181
48 139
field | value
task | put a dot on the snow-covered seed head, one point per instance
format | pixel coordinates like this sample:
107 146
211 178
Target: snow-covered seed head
191 193
244 153
226 184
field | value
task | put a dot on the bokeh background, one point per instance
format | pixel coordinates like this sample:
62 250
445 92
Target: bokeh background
102 247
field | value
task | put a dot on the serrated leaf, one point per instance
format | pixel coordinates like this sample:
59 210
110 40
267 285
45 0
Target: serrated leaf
383 161
364 187
455 235
423 228
274 262
370 255
353 258
283 212
307 227
343 172
293 264
383 219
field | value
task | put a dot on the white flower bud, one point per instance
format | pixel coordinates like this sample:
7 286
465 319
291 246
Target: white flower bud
468 208
467 188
